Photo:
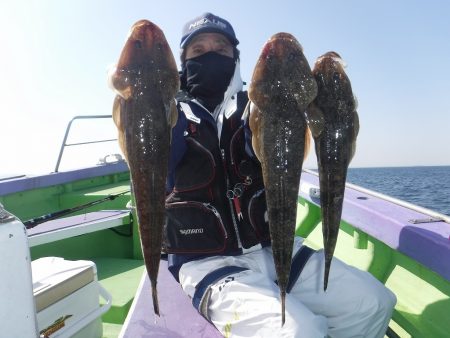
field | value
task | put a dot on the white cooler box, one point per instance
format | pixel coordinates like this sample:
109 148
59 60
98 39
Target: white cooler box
66 295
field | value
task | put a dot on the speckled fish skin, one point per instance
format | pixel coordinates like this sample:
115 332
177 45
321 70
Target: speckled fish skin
146 80
282 86
334 124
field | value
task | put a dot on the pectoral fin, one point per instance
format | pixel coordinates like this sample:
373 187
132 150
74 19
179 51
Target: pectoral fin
255 122
355 134
307 143
173 114
315 119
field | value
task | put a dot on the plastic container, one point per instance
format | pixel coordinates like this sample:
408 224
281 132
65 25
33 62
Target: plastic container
17 311
66 295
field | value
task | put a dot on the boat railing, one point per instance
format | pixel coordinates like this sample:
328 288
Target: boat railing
12 177
66 135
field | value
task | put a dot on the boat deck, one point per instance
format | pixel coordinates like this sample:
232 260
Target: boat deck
376 235
178 318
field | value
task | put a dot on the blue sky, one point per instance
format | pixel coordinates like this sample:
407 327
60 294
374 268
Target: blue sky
55 54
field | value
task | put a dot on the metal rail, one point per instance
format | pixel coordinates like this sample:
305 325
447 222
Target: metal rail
65 144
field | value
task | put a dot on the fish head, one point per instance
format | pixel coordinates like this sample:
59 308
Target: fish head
335 105
335 90
281 74
143 41
145 48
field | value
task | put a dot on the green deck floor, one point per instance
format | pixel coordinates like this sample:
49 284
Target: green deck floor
111 330
121 278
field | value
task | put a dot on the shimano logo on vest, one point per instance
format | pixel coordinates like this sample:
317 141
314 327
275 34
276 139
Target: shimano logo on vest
200 22
191 231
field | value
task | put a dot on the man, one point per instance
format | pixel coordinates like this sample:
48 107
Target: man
217 233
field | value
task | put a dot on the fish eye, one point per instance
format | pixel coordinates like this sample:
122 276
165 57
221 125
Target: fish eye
138 44
291 56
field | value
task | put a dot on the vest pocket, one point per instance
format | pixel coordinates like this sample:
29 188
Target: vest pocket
194 227
257 214
198 168
244 166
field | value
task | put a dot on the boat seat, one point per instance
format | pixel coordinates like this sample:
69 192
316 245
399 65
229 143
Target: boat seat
67 227
178 317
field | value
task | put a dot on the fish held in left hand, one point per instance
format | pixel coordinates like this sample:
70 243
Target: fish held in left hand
146 81
334 124
282 86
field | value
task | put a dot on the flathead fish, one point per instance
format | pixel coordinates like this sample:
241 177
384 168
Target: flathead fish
146 81
281 88
334 124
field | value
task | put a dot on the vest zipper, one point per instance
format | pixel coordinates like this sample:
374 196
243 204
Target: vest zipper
214 210
230 202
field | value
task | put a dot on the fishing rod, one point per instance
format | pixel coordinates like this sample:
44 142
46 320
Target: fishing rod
48 217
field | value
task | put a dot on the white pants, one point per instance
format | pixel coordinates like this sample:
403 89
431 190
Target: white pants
247 303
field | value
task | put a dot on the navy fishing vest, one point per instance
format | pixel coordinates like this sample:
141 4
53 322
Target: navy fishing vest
217 200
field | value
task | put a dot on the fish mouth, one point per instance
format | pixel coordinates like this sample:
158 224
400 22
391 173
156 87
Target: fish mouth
276 45
145 34
292 84
145 41
331 57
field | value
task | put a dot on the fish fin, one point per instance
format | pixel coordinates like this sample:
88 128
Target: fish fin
116 112
307 143
356 124
355 134
111 76
155 299
117 118
315 119
119 83
173 117
255 123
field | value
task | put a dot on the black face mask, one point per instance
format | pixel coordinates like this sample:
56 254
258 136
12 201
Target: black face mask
206 77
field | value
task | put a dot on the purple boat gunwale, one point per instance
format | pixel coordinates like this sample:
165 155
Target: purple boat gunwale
46 180
390 224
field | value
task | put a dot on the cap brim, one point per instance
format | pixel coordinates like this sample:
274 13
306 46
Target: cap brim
189 38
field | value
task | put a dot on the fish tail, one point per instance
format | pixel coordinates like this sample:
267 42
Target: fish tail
327 272
332 202
283 307
155 299
330 244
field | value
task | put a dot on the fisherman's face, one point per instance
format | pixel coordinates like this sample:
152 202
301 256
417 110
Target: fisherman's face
209 42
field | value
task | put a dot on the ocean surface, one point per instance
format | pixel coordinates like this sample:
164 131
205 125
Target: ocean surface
427 187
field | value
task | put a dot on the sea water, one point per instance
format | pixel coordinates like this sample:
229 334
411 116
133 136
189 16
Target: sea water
424 186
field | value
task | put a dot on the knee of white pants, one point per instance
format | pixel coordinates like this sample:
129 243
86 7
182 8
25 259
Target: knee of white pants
249 306
381 299
380 303
377 312
385 303
369 318
377 296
